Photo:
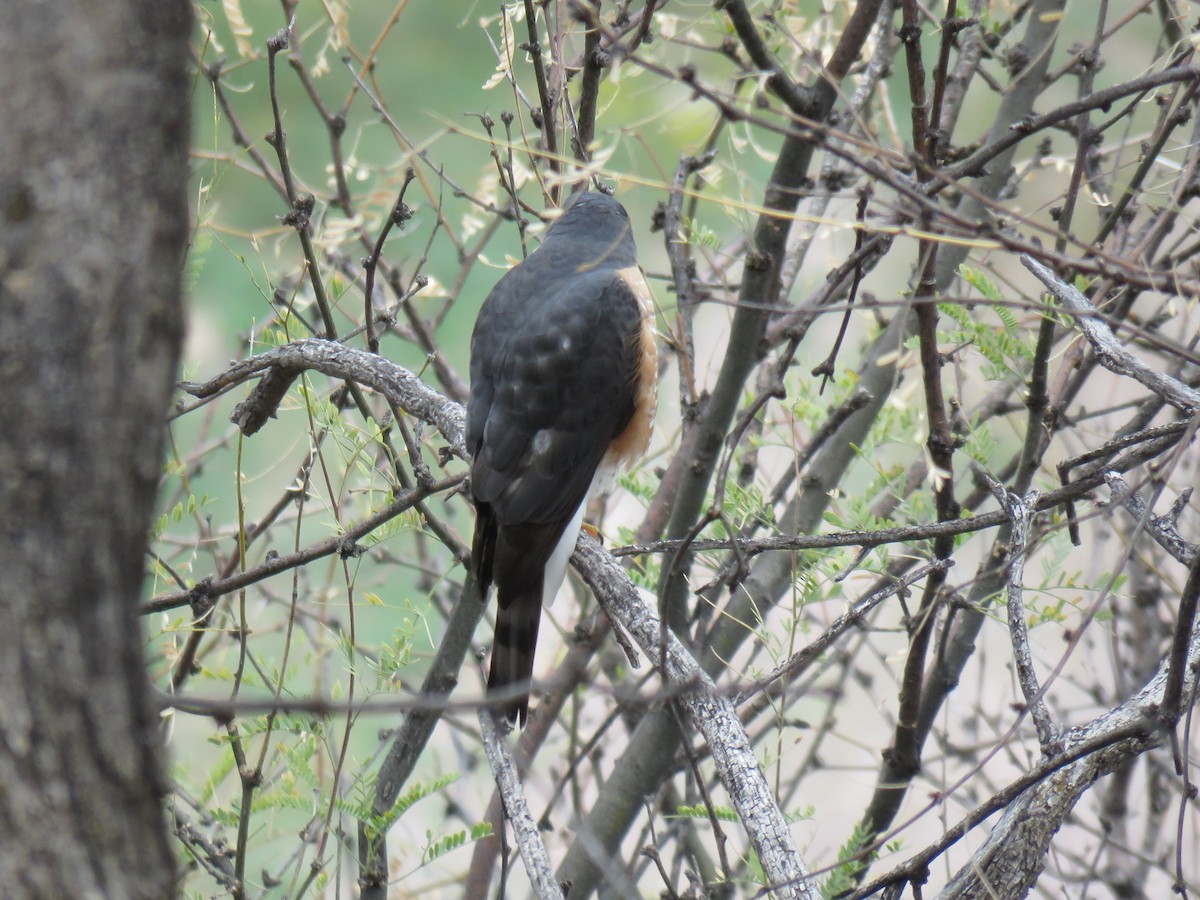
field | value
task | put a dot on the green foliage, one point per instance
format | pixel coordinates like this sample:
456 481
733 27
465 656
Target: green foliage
700 811
443 845
407 521
396 654
1008 348
746 506
380 824
1061 592
981 283
851 861
754 869
186 507
645 569
198 252
981 446
638 484
698 234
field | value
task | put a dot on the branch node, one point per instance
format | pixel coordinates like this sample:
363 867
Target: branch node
278 42
301 212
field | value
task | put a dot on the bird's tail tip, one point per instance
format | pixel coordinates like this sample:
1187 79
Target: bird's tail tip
512 655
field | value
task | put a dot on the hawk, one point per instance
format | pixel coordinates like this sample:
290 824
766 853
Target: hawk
564 367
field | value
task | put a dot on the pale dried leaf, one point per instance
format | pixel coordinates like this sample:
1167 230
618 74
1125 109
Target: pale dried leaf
242 32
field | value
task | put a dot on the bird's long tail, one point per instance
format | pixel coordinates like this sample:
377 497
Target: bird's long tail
517 619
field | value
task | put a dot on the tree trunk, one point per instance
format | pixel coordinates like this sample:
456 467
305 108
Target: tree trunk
93 229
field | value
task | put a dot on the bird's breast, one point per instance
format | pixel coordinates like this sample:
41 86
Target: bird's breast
628 447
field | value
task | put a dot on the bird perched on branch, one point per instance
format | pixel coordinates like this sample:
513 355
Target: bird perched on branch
563 392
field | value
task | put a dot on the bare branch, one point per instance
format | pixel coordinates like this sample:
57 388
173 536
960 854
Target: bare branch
1162 528
395 382
1014 852
516 810
711 714
1108 349
1020 511
801 101
799 661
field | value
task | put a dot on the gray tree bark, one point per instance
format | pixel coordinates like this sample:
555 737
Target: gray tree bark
93 230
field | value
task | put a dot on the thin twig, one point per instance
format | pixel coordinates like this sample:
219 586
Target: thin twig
400 214
545 121
344 543
300 215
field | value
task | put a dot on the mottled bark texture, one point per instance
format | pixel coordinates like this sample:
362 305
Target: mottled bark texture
93 229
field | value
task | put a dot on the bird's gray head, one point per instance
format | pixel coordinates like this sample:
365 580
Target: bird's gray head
597 222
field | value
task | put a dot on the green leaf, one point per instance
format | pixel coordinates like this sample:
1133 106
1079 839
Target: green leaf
419 791
724 813
851 861
980 282
443 845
